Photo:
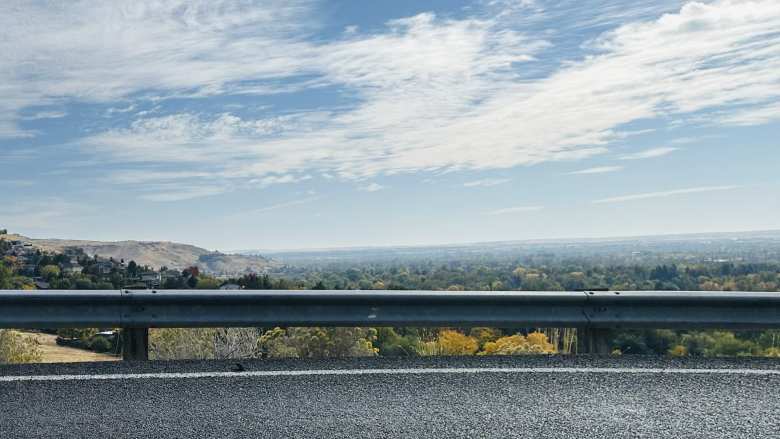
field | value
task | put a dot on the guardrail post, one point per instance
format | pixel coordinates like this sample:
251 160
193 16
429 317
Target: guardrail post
593 341
135 344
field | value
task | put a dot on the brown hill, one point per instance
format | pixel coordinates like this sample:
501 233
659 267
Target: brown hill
157 254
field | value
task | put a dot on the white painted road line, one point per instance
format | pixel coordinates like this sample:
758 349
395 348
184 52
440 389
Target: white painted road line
325 372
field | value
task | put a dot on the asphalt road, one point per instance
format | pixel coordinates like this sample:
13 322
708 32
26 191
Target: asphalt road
443 398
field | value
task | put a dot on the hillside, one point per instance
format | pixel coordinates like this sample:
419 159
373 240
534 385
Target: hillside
157 254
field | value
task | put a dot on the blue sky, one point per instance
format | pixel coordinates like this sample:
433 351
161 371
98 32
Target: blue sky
302 123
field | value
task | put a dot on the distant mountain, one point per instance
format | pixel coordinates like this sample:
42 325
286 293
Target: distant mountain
157 254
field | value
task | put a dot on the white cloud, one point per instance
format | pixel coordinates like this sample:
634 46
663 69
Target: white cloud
517 209
597 170
649 153
278 179
431 93
663 194
486 182
175 193
45 115
107 51
373 187
753 116
285 205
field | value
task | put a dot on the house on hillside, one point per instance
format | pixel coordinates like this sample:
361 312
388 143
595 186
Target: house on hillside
71 268
170 274
151 280
105 267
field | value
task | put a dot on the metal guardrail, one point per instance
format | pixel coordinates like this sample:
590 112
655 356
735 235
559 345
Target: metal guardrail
591 311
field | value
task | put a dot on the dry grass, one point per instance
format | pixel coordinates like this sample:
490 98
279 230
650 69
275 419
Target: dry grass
52 353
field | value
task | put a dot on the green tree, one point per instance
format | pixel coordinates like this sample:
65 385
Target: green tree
319 342
132 269
207 283
50 272
392 344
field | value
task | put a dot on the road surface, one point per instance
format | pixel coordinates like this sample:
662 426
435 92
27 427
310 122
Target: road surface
555 397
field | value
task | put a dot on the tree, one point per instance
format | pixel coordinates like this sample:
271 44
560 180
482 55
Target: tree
319 342
50 272
534 343
207 283
6 274
484 335
456 343
392 344
132 269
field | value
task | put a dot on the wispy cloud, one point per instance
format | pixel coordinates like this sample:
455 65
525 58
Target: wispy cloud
176 193
663 194
753 116
486 182
373 187
285 204
516 209
45 115
279 179
597 170
649 153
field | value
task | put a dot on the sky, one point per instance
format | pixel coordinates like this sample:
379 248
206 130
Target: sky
286 124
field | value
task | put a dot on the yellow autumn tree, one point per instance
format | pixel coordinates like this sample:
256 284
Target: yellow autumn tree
534 343
484 335
451 342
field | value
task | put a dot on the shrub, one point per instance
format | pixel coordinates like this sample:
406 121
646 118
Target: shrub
100 344
179 344
717 344
16 348
772 352
534 343
319 342
450 342
484 335
392 344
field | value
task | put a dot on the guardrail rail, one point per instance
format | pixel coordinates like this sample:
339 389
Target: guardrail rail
592 312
